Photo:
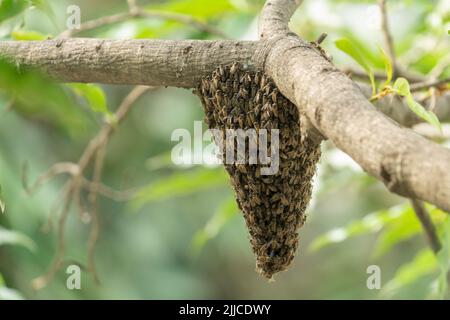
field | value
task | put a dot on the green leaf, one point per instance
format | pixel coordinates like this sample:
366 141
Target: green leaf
180 183
160 161
403 227
424 263
94 95
2 202
426 115
371 223
9 237
202 9
28 35
346 46
443 258
7 293
37 97
45 7
226 210
401 87
11 8
387 66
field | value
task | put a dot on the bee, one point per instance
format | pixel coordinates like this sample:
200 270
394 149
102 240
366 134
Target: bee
221 71
273 95
219 98
262 83
242 93
234 68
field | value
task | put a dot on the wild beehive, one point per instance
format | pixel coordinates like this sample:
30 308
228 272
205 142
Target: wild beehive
274 204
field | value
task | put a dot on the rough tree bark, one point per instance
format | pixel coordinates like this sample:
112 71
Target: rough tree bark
405 162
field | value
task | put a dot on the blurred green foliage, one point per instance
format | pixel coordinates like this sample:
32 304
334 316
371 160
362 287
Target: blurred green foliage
185 238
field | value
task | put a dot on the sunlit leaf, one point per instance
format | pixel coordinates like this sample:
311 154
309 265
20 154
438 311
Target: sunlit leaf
387 66
94 95
346 46
424 263
196 8
405 226
426 115
11 8
15 238
364 47
223 214
401 87
27 35
181 183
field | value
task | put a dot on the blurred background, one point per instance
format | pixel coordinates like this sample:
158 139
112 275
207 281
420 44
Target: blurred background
182 236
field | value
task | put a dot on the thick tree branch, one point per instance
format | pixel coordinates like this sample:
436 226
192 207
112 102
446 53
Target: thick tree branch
275 17
336 106
178 63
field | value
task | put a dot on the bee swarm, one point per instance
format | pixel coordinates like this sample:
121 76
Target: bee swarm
273 205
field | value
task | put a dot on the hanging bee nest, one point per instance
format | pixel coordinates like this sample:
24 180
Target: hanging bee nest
274 203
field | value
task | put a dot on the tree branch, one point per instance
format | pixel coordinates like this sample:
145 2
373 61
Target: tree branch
338 109
381 75
178 63
429 84
427 225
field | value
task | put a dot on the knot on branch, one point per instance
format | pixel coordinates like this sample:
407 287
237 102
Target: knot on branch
392 175
273 202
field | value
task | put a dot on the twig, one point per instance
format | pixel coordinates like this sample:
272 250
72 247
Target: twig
380 75
93 201
321 38
71 192
108 192
429 84
387 37
427 225
55 170
432 133
136 12
42 281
